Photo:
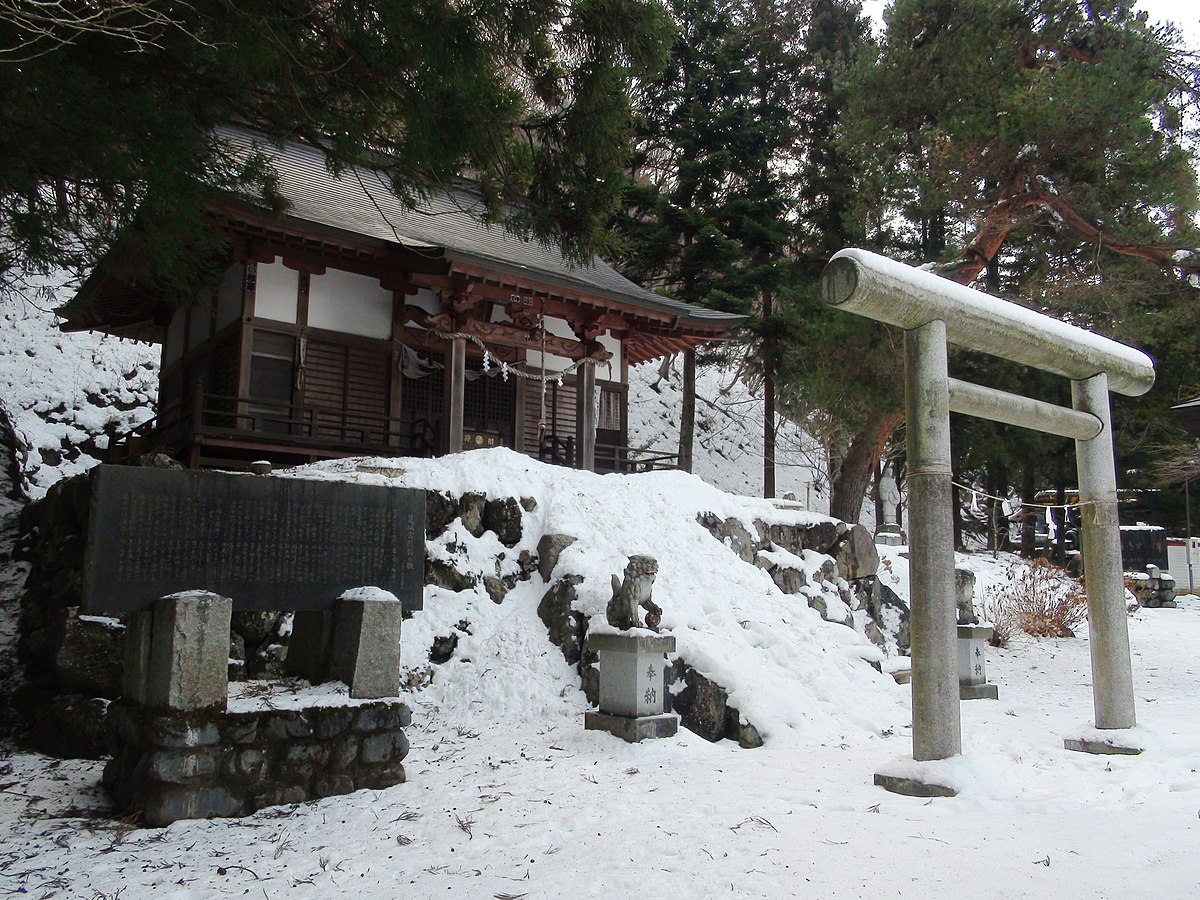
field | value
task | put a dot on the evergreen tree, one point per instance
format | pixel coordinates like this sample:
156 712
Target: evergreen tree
841 376
1040 145
711 207
107 113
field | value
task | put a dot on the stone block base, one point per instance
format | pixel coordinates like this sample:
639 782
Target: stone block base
911 787
633 728
978 692
168 766
1110 748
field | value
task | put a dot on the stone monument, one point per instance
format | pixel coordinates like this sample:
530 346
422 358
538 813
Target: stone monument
178 552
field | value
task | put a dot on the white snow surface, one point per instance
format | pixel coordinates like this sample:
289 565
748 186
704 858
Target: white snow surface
508 796
66 390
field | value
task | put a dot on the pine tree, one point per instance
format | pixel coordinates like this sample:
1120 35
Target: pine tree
711 207
1039 145
106 125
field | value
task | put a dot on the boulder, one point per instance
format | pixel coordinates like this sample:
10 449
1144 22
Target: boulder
443 648
444 575
496 588
503 516
90 658
566 627
732 533
549 549
885 608
470 510
702 706
786 578
744 733
440 510
856 554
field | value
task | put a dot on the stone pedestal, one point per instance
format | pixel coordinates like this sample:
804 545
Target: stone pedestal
357 642
972 668
177 655
632 686
889 535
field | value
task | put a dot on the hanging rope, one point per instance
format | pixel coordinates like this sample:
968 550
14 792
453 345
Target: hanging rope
506 369
1095 504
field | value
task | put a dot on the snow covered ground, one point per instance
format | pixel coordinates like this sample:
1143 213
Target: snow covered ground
507 795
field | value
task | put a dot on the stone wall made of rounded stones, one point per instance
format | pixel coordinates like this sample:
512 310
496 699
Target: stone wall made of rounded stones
171 766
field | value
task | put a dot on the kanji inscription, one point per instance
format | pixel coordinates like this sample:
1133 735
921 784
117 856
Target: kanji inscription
269 543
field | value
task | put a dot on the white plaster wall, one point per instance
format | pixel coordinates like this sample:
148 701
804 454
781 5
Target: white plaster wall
427 300
276 291
350 303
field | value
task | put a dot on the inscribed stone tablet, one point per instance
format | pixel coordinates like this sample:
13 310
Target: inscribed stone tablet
269 543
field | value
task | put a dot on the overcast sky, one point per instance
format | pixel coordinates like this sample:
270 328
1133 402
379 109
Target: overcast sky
1184 13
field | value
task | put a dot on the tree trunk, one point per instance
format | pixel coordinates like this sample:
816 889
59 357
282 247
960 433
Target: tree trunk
687 419
1028 515
768 357
849 487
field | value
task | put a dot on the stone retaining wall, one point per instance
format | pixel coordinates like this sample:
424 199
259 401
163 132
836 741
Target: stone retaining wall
169 766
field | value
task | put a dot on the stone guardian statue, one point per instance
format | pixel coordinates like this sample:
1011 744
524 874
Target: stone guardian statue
633 591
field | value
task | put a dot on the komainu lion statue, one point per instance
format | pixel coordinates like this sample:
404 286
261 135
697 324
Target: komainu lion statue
633 591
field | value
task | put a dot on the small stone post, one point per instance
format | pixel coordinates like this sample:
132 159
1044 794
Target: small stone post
366 643
972 663
177 656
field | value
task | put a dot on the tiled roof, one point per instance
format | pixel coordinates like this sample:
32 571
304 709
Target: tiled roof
361 202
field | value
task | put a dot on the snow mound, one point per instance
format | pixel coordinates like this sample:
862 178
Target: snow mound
786 669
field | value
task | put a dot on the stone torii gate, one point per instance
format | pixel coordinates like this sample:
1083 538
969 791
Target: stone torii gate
933 312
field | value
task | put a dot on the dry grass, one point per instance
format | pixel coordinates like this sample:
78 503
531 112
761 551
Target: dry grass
1039 599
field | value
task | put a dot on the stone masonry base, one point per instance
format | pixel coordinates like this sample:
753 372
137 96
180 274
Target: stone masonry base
195 765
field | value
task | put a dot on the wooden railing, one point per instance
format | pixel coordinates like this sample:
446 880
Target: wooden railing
232 420
609 457
615 458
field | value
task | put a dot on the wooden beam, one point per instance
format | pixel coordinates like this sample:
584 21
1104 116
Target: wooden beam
585 418
501 334
456 385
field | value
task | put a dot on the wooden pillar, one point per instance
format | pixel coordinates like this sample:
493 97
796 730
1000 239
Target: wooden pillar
456 384
687 421
585 417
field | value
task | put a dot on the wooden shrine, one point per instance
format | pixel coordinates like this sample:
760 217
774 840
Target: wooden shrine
352 325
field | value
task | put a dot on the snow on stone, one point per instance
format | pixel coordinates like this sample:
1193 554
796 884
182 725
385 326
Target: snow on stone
68 392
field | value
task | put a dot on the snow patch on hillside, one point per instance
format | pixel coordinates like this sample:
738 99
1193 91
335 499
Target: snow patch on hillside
786 669
67 394
728 446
